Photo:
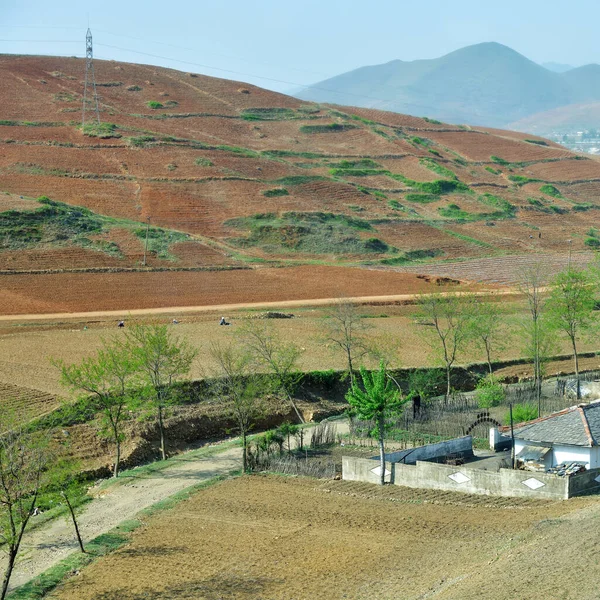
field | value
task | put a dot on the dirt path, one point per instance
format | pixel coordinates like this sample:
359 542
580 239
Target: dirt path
227 308
44 547
50 543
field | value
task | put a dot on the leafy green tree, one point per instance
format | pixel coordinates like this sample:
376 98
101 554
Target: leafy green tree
111 379
487 332
288 431
449 316
277 357
379 398
489 392
571 309
422 385
161 359
23 460
522 413
235 382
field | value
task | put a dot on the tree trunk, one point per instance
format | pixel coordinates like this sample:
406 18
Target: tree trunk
74 519
577 380
244 452
117 452
161 430
448 384
300 417
350 367
489 359
382 449
12 555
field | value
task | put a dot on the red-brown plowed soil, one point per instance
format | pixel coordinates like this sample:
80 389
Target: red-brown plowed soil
80 292
216 147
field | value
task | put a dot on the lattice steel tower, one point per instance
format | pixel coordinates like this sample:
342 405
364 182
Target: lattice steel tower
90 97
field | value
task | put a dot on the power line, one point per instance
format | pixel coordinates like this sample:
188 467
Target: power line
229 57
44 41
203 66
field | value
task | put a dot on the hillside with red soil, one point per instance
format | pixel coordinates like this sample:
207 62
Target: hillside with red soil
251 176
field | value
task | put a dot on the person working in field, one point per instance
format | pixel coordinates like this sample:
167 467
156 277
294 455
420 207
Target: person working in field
223 321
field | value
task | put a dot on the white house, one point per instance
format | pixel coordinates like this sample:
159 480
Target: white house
571 435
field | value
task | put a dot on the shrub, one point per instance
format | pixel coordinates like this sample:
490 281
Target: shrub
275 192
154 104
330 128
582 207
499 161
522 413
550 190
134 88
493 171
203 162
537 142
376 245
592 242
141 141
101 130
489 392
422 198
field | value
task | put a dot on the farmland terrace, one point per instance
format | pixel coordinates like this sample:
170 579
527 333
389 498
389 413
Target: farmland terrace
226 175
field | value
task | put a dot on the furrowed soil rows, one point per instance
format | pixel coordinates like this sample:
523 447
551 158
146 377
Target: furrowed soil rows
275 537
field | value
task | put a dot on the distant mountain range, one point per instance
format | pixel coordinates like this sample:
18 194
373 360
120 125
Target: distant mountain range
485 84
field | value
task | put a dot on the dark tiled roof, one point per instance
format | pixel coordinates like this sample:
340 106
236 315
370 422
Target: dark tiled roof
575 426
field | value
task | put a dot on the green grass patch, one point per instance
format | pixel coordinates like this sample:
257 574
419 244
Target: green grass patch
154 104
141 141
592 242
298 179
292 154
346 172
437 187
238 150
521 179
455 212
275 192
500 204
160 240
412 256
432 121
550 190
499 161
268 114
493 171
101 130
203 162
432 165
330 128
307 233
422 198
419 141
582 207
466 238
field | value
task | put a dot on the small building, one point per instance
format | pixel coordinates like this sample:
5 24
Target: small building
569 436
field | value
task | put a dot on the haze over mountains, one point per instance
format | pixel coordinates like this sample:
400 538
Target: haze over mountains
485 84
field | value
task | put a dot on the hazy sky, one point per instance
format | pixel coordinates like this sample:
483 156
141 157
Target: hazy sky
297 42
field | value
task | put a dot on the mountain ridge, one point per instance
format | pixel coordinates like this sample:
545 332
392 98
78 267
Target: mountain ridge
485 84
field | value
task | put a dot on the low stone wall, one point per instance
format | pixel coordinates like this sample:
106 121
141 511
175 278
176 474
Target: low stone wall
463 446
506 482
584 483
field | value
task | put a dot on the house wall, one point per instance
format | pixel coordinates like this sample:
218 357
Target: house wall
564 453
428 475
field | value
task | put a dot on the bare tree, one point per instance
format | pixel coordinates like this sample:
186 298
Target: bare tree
23 458
345 330
487 331
279 358
449 316
236 384
538 338
161 359
111 379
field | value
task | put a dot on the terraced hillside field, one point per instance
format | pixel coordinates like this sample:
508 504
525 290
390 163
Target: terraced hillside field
226 173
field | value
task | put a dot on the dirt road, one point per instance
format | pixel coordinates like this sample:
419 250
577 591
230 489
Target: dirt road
50 543
228 308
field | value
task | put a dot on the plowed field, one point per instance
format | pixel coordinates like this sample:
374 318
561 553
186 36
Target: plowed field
276 538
